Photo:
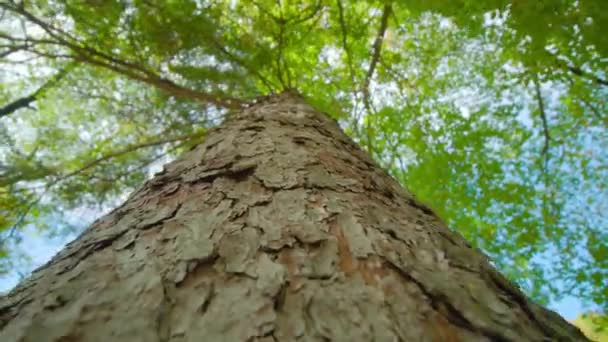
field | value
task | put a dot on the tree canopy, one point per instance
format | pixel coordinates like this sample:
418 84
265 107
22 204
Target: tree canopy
491 112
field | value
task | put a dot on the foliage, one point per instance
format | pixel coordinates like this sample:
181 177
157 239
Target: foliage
492 112
593 325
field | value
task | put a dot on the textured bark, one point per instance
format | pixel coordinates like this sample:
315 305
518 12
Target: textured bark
277 228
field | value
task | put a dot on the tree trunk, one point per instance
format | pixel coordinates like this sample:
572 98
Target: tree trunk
277 228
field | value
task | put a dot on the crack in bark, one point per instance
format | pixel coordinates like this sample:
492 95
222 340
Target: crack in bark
164 316
231 170
519 298
280 296
421 206
200 265
88 249
207 301
443 307
171 215
5 311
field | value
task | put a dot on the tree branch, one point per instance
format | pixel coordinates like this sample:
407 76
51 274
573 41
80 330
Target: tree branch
27 100
268 82
130 69
589 105
23 214
19 221
594 110
281 22
581 73
543 116
376 49
349 59
17 104
126 150
269 86
350 64
12 49
399 78
577 71
315 10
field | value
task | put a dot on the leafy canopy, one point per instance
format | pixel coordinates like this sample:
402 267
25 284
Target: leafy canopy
492 112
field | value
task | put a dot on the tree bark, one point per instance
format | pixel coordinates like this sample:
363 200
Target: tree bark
277 228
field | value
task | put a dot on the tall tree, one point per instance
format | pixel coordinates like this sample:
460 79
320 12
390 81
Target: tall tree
277 228
501 103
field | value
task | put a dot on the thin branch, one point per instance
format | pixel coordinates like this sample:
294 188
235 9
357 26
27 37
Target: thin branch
52 31
126 150
581 73
268 82
12 49
27 100
543 116
376 49
28 40
19 221
269 86
399 78
350 64
90 55
578 71
22 102
50 55
21 44
589 105
349 57
264 10
280 59
315 10
23 214
594 110
145 163
283 72
166 85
